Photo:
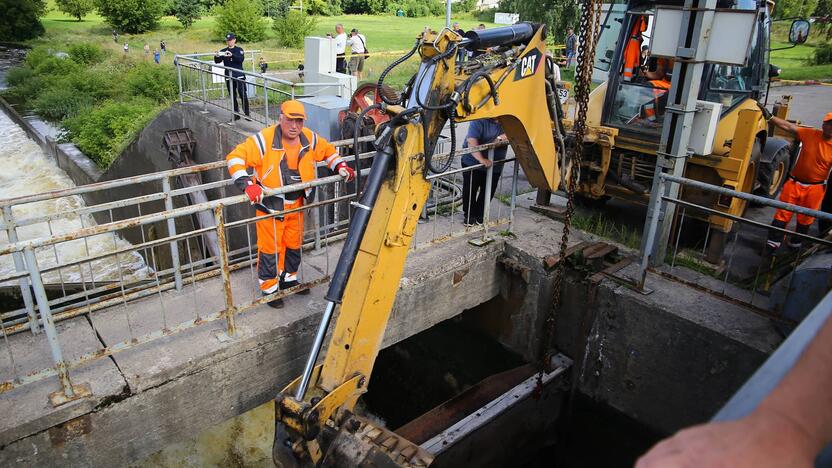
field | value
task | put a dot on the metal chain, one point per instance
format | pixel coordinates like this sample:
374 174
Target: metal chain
588 34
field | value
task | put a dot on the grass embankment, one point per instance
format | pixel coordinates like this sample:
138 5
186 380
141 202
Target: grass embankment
795 61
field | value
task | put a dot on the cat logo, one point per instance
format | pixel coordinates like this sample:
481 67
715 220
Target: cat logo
529 64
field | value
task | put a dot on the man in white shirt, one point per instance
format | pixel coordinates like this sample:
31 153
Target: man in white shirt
358 52
340 49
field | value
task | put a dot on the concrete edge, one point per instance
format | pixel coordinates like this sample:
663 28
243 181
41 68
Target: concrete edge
78 166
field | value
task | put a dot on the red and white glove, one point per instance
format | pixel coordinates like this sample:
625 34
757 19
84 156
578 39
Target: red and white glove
345 171
255 193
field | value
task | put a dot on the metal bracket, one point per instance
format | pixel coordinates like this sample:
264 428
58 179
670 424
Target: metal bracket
78 391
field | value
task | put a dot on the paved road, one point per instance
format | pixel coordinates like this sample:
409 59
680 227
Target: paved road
809 103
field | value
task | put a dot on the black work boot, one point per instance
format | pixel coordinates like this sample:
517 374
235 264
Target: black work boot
291 284
797 242
275 303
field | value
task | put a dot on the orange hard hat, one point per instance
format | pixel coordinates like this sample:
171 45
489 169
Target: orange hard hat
827 117
293 109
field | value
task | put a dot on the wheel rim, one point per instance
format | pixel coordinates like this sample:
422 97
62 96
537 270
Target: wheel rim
777 177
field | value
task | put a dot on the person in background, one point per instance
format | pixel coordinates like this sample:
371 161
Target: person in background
461 54
232 57
126 48
115 36
806 185
146 51
645 56
474 191
477 53
263 65
571 49
358 52
157 57
340 49
281 155
163 46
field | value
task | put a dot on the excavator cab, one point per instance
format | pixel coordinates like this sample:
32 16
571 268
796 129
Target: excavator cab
637 84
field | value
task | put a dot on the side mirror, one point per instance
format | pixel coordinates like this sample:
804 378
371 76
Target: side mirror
799 32
773 71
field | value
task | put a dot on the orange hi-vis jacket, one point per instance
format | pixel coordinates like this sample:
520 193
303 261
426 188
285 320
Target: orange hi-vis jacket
278 166
632 51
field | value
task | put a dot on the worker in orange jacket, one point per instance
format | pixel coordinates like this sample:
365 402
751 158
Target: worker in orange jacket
632 51
806 184
281 155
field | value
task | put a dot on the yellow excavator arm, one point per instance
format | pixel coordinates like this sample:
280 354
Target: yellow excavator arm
314 419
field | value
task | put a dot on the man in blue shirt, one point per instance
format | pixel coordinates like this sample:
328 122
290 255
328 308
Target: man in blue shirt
480 132
232 57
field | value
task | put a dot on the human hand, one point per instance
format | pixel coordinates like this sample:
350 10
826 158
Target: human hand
255 193
766 114
345 171
763 439
485 162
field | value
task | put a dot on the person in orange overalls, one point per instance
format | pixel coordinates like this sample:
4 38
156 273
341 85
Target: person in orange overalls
660 81
281 155
806 184
632 51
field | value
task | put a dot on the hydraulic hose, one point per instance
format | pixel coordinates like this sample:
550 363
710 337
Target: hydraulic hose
469 83
451 50
390 68
359 124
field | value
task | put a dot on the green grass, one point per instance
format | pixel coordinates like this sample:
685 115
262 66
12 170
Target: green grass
794 63
598 224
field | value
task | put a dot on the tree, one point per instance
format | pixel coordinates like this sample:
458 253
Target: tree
242 17
76 8
292 28
557 15
21 19
131 16
187 11
794 8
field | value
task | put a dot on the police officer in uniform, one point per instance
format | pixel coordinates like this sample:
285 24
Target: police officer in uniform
232 57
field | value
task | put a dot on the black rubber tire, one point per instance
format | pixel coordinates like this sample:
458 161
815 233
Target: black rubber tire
772 175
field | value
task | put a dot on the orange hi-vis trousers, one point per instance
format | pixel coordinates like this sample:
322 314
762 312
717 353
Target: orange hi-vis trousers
278 246
805 195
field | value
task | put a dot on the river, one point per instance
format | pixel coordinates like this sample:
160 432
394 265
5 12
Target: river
27 170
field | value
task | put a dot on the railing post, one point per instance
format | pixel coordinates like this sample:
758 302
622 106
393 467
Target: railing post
179 79
516 167
266 99
292 88
174 247
20 265
219 219
654 212
68 391
204 89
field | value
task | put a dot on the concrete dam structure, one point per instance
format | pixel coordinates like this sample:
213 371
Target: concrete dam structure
164 360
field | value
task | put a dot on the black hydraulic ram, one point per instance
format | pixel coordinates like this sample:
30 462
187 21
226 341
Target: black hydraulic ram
509 35
378 171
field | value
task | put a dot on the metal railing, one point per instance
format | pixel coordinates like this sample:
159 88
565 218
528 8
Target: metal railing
768 267
216 86
106 290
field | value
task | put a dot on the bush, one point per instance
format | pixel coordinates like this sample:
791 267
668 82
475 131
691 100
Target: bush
18 75
418 8
131 16
292 28
323 7
370 7
187 11
463 6
76 8
20 19
242 17
87 54
57 103
486 15
153 82
823 54
104 131
56 66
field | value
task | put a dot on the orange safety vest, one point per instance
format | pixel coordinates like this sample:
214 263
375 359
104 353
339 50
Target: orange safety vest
273 168
632 52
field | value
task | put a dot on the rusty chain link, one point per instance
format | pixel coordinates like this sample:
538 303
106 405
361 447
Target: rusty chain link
589 32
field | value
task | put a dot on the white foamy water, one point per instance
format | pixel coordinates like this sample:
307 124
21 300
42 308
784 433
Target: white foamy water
27 170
